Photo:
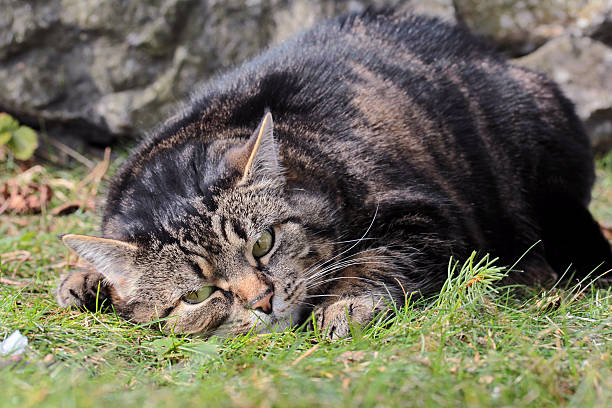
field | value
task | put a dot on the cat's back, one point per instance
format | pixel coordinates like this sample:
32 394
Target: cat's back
404 86
374 103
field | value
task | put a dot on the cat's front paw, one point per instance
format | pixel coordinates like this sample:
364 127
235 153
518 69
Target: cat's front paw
335 319
81 288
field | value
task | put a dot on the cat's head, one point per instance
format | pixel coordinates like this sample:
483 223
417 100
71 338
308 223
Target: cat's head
227 246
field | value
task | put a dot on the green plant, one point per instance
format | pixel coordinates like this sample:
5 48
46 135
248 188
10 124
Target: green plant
477 343
20 140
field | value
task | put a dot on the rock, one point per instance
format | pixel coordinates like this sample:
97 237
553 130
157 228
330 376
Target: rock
444 9
307 12
104 69
99 70
595 21
583 68
520 26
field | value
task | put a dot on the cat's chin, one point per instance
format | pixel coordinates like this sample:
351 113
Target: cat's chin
267 323
259 323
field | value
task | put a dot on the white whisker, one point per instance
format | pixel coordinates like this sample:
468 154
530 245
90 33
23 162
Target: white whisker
355 244
346 264
324 295
343 277
349 258
332 269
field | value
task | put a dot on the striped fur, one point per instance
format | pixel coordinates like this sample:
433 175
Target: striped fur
397 142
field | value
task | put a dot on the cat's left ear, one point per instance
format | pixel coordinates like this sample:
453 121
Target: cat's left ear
113 259
258 157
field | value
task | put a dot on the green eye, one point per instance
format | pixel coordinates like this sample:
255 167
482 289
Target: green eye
263 245
198 296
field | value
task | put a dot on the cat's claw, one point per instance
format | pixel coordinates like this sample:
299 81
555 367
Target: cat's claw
335 319
80 288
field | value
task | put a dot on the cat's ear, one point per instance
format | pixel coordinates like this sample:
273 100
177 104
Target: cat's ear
112 258
258 157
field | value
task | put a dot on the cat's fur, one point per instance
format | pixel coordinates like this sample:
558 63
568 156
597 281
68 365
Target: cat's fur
396 143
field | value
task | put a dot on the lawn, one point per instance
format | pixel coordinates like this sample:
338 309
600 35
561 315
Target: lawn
476 344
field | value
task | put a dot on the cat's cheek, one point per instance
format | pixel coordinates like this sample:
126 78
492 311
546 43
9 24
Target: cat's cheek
289 309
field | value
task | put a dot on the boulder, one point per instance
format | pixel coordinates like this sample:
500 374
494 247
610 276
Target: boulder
518 27
103 69
99 70
583 68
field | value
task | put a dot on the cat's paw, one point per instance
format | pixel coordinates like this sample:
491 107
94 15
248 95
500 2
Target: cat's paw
80 289
335 319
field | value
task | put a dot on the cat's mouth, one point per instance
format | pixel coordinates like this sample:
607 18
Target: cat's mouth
275 322
283 313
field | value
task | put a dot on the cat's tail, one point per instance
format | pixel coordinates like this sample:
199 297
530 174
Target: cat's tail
573 241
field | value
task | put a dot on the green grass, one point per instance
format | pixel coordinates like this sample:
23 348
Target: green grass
601 205
476 344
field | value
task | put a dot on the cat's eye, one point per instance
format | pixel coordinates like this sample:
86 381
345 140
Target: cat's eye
264 243
198 296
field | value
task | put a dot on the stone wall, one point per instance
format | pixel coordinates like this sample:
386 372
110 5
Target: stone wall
103 69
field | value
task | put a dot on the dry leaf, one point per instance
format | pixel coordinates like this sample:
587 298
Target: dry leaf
23 199
606 230
72 206
486 379
351 356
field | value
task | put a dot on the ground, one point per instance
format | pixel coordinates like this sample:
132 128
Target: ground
475 344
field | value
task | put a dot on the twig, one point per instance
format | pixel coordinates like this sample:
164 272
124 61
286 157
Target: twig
19 256
306 354
96 174
11 256
12 282
72 153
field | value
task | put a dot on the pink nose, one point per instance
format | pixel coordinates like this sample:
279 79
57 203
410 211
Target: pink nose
263 302
254 292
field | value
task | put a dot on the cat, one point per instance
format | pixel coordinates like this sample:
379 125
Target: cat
333 174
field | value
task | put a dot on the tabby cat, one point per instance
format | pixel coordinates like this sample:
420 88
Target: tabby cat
337 172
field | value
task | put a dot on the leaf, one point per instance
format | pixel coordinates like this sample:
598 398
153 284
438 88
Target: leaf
201 353
163 345
7 123
27 237
24 199
23 143
351 356
5 137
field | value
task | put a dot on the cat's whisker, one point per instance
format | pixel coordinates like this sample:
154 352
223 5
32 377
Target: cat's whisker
344 277
313 271
359 240
323 295
332 271
349 262
315 283
318 282
334 268
348 241
310 274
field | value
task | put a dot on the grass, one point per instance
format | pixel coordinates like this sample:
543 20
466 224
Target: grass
476 344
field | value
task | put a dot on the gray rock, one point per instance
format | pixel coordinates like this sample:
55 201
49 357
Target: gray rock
520 26
583 68
307 12
100 69
103 69
596 21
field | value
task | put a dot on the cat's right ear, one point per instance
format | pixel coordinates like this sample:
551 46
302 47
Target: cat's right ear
258 157
112 258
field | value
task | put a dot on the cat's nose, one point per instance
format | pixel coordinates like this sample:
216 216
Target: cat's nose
254 292
263 302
